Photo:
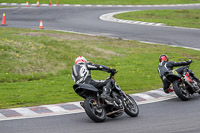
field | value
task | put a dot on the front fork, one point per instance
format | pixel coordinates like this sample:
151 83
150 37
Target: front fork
125 97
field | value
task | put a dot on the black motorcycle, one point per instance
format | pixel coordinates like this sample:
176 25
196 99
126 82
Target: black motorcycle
97 109
182 86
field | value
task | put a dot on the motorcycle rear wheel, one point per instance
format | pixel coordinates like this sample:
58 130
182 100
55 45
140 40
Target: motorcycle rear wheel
96 113
131 107
181 91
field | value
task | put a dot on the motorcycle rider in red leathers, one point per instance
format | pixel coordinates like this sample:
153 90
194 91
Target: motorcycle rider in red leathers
81 75
165 66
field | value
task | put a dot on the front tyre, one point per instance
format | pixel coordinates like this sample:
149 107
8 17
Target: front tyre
181 91
130 106
96 113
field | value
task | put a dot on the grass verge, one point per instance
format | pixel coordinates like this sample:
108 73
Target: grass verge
182 18
108 2
36 65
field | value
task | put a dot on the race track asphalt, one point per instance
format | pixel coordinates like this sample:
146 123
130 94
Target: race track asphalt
86 20
171 116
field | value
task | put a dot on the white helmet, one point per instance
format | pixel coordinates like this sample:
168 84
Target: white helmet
80 59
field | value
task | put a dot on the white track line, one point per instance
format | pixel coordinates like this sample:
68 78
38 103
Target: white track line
109 17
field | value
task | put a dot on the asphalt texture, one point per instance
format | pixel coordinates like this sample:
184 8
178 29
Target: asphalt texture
86 20
171 116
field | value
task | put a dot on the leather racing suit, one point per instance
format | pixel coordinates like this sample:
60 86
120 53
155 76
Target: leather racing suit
81 74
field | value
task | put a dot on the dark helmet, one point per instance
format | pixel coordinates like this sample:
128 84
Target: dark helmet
163 58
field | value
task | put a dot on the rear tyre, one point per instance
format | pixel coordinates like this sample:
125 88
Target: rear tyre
181 91
96 113
130 107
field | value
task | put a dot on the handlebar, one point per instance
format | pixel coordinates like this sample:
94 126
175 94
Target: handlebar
112 74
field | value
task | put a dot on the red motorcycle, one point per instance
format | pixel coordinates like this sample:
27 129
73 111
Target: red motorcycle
183 85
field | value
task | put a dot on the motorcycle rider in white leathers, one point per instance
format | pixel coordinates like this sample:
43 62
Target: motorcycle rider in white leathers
81 75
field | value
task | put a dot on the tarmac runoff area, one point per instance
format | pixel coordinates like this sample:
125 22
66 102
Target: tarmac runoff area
75 107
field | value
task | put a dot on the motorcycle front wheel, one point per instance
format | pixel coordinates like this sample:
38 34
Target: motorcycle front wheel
95 112
130 106
181 91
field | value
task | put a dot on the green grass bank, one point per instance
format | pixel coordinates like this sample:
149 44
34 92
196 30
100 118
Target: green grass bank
107 2
36 65
182 18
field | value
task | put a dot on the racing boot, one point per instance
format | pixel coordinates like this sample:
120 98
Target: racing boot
106 96
170 89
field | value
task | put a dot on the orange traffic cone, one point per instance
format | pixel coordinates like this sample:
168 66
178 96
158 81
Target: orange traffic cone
38 3
4 20
50 4
27 5
41 25
57 2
